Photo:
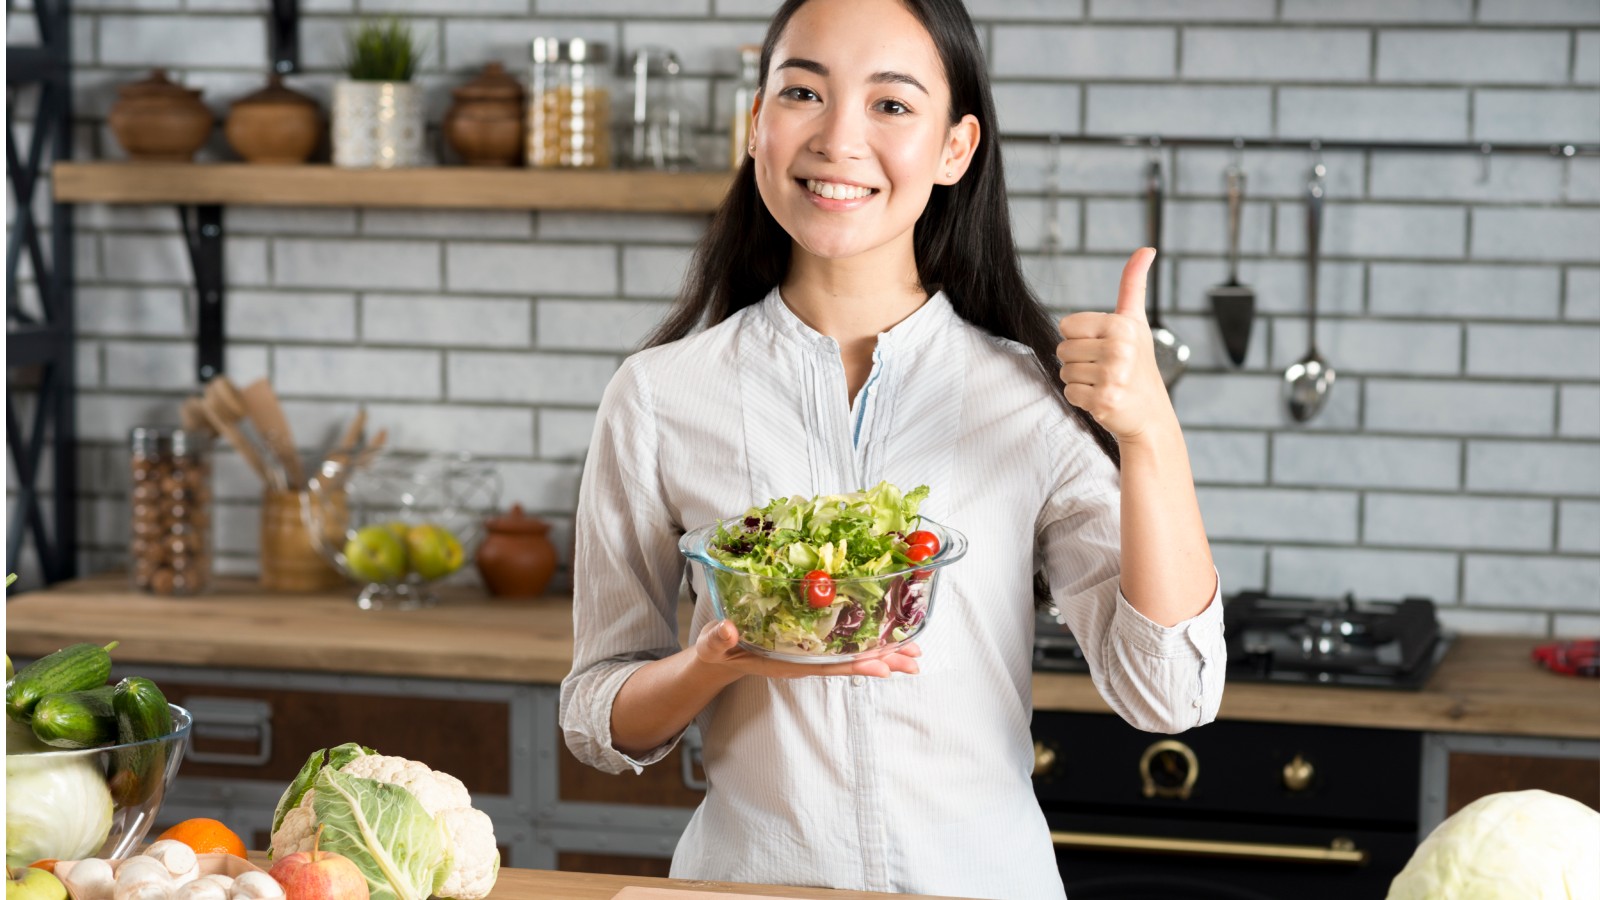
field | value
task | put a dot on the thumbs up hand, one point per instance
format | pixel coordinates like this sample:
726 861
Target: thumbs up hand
1108 360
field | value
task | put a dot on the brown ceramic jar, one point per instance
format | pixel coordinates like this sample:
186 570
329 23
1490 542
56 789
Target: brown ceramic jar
484 124
516 558
157 120
275 125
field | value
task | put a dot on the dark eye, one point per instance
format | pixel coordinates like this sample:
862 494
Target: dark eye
799 93
893 107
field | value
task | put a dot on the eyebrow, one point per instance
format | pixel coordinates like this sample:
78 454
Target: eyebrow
811 65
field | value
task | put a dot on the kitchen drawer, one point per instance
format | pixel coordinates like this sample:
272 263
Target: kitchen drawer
675 781
269 733
259 727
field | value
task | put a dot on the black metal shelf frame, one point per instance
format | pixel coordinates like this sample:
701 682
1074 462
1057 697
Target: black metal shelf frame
42 342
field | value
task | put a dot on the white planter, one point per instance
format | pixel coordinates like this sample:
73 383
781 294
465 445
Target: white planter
377 124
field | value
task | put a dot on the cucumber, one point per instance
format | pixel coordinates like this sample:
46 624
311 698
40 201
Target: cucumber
142 714
77 719
75 668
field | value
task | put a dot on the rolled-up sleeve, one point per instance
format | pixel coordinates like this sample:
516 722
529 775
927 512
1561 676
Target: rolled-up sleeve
1158 678
626 572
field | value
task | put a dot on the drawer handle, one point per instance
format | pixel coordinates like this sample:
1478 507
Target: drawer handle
231 719
1340 850
693 754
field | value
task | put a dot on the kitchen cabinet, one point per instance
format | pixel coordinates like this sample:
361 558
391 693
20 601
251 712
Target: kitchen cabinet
1458 769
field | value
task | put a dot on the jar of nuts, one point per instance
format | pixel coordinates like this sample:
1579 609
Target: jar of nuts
170 545
569 105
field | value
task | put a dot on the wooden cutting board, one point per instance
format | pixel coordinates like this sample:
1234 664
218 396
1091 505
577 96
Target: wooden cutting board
674 894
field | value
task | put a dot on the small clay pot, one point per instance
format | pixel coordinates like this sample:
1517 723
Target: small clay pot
155 119
516 558
275 125
484 124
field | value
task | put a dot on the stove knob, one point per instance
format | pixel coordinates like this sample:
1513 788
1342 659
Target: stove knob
1297 773
1044 759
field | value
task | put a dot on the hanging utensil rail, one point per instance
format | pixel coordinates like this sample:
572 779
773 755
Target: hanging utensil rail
1557 148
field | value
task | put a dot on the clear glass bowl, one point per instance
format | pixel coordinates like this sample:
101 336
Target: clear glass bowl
894 607
432 506
47 785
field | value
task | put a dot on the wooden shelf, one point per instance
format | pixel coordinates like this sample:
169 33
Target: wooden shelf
455 187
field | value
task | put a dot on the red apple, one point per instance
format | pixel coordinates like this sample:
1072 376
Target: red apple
319 875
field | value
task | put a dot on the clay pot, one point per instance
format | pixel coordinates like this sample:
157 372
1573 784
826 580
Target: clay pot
155 119
484 124
275 125
516 559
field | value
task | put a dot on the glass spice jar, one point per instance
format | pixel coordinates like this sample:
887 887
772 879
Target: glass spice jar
169 548
569 105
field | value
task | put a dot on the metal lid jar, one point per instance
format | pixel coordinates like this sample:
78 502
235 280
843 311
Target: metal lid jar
569 105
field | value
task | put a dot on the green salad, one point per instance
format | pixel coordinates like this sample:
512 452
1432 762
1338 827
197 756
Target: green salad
832 574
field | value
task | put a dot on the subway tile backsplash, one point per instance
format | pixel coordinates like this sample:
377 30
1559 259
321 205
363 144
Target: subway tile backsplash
1460 294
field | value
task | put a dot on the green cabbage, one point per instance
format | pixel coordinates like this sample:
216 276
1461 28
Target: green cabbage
57 806
1517 845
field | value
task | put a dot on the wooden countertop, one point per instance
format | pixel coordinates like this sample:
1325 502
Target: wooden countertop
1486 685
540 884
530 884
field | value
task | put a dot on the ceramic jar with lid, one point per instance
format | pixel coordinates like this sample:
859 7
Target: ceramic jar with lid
275 125
484 124
516 558
157 120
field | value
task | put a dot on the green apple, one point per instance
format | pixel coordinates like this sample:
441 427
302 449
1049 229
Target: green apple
376 554
33 884
433 550
398 528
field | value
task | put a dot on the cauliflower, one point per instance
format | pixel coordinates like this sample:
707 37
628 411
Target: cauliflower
422 838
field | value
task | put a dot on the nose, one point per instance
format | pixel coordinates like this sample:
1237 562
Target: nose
840 134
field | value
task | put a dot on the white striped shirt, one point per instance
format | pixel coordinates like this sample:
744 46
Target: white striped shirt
916 783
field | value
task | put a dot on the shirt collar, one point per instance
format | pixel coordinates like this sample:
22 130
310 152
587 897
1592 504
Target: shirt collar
927 318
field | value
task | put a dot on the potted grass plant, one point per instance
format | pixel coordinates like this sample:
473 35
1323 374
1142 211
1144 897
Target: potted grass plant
377 111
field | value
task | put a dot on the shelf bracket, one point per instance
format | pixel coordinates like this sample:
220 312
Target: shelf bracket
285 36
203 236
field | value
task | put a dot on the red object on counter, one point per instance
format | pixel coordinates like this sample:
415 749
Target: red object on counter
1581 658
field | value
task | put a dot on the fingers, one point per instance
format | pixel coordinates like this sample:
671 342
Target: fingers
1085 325
1130 296
1089 373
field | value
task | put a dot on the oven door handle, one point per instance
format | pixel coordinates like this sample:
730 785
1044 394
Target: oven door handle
1342 851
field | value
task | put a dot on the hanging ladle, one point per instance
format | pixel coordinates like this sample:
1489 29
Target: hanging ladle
1172 355
1310 379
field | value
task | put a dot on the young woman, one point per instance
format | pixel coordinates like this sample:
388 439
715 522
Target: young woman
857 313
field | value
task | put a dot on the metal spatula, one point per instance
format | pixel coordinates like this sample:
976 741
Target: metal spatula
1234 304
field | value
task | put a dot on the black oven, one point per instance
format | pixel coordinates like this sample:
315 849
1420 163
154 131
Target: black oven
1229 811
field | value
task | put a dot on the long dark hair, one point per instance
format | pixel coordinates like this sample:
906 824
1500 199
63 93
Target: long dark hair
963 238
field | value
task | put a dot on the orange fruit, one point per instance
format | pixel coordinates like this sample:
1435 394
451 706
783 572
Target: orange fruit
205 836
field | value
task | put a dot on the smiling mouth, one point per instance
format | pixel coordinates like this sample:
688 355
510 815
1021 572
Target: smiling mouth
833 190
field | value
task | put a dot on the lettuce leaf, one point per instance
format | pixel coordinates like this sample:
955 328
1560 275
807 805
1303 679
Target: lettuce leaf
383 829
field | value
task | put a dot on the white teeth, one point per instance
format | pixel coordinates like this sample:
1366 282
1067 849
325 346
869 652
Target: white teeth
833 191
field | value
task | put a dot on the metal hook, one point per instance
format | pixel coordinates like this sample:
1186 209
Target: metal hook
1317 168
1485 149
1567 151
1052 234
1238 153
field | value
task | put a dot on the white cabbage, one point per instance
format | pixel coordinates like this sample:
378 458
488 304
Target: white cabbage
57 807
1518 845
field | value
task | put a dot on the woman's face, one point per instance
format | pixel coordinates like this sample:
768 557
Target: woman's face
853 130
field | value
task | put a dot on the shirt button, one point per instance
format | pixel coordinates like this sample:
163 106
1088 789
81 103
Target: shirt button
858 680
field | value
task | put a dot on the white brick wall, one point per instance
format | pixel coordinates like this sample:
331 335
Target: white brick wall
1460 298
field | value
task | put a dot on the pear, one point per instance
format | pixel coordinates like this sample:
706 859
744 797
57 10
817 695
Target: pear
375 554
434 552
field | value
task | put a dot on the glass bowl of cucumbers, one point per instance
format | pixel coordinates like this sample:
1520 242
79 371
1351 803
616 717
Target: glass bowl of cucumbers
88 764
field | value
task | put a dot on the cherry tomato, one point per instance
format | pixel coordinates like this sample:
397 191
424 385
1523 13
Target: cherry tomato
819 589
919 553
925 538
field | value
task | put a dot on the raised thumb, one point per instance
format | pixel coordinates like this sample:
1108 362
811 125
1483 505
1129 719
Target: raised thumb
1130 295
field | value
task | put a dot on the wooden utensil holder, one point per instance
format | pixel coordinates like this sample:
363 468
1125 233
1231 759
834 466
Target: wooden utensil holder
289 561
